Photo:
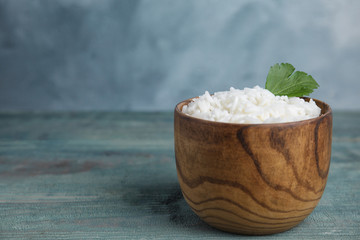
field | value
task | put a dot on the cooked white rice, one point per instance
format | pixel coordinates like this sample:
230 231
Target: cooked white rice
251 105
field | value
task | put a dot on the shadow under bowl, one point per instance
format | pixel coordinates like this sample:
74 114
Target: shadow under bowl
252 179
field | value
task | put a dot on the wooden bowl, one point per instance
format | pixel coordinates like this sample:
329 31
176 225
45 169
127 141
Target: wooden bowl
252 179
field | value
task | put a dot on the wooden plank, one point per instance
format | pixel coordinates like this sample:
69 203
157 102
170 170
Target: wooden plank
112 176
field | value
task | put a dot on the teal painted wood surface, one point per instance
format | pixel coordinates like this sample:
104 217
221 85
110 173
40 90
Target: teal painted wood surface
113 176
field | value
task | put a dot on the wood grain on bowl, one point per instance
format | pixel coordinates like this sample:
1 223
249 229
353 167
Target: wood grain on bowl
252 178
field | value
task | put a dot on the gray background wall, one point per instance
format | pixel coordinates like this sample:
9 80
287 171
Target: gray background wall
150 54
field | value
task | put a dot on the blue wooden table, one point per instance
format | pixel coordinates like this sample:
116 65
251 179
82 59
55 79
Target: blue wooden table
112 176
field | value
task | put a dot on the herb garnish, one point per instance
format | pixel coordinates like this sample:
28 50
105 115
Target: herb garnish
281 80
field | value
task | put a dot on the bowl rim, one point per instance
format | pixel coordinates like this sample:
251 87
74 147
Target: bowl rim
327 109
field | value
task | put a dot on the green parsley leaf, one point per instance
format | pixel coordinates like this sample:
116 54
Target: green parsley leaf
281 80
